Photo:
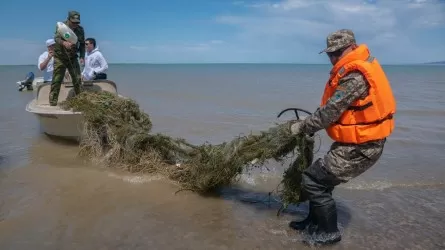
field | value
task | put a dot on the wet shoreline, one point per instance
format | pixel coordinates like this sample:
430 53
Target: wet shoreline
86 205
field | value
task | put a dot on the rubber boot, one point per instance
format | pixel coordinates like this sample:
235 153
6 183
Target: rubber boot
327 231
303 224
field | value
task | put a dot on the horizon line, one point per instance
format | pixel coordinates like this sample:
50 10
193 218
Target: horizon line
278 63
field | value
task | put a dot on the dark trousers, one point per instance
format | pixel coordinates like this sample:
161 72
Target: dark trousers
60 67
100 76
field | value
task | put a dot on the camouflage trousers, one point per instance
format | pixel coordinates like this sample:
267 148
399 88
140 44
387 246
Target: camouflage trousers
342 163
60 67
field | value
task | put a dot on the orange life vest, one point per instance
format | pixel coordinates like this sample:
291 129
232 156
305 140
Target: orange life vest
366 119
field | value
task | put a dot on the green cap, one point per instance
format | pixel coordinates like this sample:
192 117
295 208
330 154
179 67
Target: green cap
338 40
74 16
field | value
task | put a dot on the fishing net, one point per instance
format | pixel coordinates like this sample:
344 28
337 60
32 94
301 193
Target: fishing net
117 133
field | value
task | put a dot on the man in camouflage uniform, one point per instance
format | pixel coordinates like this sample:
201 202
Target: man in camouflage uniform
343 161
65 57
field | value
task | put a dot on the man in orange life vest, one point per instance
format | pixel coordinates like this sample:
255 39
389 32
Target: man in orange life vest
357 111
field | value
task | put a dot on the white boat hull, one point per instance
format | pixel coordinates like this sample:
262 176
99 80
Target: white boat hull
37 82
67 126
56 121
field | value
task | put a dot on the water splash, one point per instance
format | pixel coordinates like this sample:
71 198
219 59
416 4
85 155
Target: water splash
382 185
136 179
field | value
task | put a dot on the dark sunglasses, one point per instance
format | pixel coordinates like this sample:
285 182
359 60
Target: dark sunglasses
336 53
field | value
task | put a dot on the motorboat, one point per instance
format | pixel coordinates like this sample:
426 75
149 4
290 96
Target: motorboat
56 121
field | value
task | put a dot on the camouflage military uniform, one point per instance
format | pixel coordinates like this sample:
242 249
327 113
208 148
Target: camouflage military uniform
67 59
343 161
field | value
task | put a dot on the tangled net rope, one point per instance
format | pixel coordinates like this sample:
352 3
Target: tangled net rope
116 133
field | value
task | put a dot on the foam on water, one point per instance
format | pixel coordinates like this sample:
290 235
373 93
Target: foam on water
259 179
136 179
381 185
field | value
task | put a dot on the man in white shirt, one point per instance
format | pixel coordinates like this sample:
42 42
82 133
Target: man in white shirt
46 61
95 63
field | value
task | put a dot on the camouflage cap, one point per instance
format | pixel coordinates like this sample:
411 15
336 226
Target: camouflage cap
74 16
338 40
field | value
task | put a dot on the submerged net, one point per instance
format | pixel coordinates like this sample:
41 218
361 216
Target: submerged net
117 134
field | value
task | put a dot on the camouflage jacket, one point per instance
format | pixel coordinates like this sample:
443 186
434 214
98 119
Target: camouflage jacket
61 52
354 86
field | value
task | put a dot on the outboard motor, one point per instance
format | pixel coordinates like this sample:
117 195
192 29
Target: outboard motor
27 83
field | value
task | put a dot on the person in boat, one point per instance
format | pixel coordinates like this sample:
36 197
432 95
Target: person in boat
356 111
95 63
46 61
65 57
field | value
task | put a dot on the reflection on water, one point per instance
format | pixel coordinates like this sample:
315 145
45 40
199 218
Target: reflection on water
60 202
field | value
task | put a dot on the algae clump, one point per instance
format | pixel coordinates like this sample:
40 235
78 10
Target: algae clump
117 133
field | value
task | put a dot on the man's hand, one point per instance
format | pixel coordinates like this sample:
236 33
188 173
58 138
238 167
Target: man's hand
67 77
50 54
82 61
296 127
67 44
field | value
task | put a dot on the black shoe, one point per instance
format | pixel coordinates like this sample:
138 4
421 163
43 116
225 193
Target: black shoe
301 225
327 231
308 222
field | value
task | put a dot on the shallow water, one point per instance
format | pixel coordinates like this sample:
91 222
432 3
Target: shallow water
50 199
